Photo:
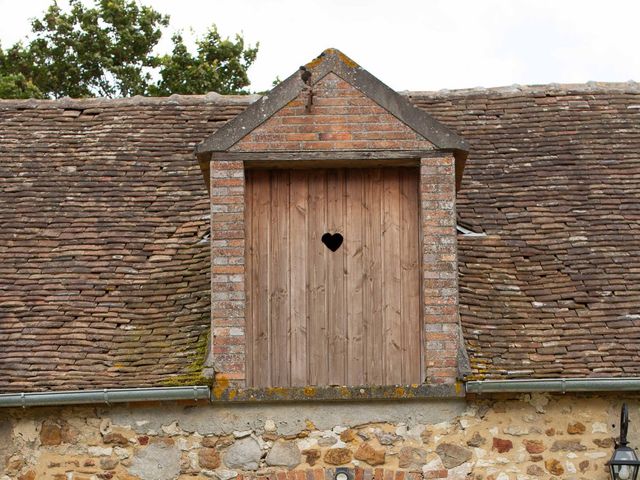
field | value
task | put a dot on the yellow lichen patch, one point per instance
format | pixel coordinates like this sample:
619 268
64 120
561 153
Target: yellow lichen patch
399 392
331 51
315 62
280 392
310 391
222 383
346 60
459 387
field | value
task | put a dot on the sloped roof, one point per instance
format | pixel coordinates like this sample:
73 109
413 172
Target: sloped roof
553 179
104 253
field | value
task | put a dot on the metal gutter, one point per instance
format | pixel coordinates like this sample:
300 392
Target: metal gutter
106 396
563 385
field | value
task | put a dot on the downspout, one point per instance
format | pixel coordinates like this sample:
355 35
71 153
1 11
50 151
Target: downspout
562 385
106 396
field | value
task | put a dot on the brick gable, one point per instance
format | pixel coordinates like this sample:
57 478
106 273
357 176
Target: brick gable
332 115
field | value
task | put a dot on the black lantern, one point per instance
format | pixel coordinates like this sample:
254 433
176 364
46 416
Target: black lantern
624 462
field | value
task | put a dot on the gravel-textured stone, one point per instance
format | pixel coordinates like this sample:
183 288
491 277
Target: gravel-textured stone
368 454
576 428
158 461
567 446
50 433
534 446
412 458
535 470
453 455
327 441
108 463
115 439
245 454
312 455
386 438
502 445
337 456
284 454
604 442
477 440
208 458
554 467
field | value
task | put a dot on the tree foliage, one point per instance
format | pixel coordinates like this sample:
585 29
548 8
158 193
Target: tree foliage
219 65
107 49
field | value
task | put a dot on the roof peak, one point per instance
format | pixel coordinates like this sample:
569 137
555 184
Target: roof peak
333 61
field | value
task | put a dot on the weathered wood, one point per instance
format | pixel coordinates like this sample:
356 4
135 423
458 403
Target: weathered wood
392 321
410 277
329 318
279 276
373 314
317 294
261 308
298 237
335 280
354 238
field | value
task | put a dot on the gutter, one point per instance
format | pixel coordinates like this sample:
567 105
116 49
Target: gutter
195 393
106 396
562 385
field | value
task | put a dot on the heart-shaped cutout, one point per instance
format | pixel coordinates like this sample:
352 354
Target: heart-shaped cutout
332 241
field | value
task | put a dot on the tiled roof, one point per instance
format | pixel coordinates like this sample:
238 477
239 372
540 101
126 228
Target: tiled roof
104 251
553 179
104 248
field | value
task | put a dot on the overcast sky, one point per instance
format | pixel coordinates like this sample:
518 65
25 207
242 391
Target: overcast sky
414 45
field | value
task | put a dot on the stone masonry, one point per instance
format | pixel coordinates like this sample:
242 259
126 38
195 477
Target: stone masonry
523 437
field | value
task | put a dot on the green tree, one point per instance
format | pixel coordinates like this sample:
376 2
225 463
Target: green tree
219 65
106 49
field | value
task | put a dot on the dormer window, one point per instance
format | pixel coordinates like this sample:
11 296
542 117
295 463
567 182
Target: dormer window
333 236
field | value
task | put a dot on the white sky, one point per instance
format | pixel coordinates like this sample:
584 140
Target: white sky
414 45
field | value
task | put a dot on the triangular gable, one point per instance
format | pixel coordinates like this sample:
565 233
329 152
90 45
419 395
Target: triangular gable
332 115
251 130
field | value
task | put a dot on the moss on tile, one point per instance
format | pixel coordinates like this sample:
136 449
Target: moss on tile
194 373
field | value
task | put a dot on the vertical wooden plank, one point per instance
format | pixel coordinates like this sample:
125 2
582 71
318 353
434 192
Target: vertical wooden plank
372 291
317 298
391 277
279 279
298 216
261 225
336 308
354 238
410 264
248 261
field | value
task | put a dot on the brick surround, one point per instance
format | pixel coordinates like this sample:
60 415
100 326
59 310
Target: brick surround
440 281
340 118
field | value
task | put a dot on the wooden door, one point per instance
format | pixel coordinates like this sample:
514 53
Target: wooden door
319 317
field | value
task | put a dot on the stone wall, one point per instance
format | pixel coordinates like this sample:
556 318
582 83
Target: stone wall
518 438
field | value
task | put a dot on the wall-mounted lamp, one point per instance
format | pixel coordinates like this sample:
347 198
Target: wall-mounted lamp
624 462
